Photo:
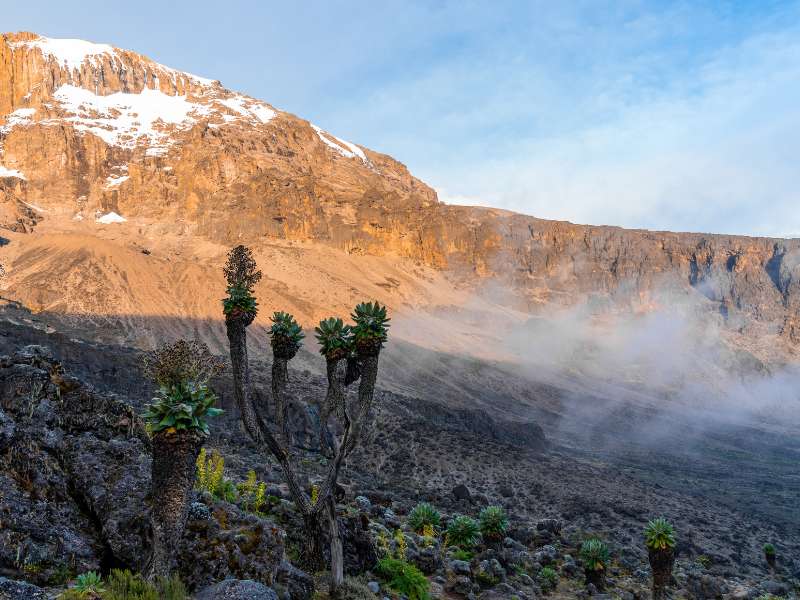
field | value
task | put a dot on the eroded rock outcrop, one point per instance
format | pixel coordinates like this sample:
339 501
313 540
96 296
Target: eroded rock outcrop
75 476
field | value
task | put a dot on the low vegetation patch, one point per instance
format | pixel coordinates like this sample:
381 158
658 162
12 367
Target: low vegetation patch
404 578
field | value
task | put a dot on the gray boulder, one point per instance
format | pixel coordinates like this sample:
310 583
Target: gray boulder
20 590
237 589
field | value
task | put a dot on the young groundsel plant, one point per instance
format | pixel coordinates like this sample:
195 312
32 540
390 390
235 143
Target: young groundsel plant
462 531
659 534
422 515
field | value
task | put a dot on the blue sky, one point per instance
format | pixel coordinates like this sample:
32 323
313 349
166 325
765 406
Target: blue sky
663 115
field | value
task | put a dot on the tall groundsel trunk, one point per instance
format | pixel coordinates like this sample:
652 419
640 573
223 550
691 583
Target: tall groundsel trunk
661 562
312 550
337 548
237 343
173 475
334 400
280 378
596 577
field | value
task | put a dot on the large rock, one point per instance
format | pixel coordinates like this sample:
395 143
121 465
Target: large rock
20 590
235 589
75 475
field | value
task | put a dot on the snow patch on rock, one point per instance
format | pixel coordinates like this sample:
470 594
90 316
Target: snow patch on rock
111 217
21 116
70 53
345 148
116 181
127 119
6 172
247 108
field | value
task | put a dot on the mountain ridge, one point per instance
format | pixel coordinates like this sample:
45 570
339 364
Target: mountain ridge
108 144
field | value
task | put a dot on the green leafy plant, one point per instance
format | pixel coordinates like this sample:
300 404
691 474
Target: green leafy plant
211 476
89 582
462 531
371 327
335 338
769 550
182 406
594 554
239 301
124 585
242 275
424 514
404 578
493 523
183 401
287 335
659 534
462 554
703 560
548 579
253 493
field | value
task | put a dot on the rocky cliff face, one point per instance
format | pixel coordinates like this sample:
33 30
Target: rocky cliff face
94 133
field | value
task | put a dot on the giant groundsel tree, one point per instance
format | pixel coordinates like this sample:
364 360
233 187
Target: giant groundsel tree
177 419
351 353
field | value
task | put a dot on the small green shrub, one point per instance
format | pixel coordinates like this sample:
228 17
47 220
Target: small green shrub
424 514
404 578
769 550
354 589
464 555
89 582
548 579
703 560
124 585
463 532
493 523
659 534
211 476
594 554
252 493
62 574
486 580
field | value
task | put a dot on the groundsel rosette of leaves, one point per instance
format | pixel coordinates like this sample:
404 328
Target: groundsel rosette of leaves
594 554
493 523
239 299
462 531
659 534
287 335
424 514
335 338
182 406
183 400
371 327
